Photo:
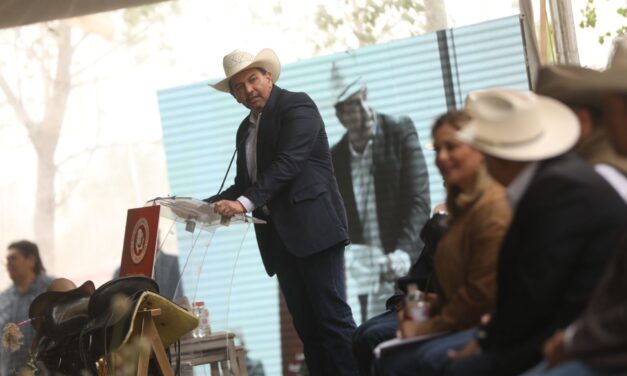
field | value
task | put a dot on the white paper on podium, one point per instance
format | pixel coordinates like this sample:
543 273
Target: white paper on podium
390 344
191 210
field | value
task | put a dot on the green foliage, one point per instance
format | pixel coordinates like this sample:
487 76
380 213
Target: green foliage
589 13
139 19
368 21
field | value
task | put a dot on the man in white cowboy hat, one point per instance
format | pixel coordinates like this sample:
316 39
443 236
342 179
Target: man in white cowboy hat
594 344
568 84
384 182
565 227
285 176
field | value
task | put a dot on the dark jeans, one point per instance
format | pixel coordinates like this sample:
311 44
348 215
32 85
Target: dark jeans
371 333
477 365
571 368
314 288
427 358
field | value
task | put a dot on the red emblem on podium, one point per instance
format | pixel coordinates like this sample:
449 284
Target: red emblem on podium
140 241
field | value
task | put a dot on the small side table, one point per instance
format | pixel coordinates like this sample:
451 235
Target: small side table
216 349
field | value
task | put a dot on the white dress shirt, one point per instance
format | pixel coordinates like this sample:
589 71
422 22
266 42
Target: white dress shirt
251 157
517 188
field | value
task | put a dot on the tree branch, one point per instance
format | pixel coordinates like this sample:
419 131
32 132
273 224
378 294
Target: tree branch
16 105
112 50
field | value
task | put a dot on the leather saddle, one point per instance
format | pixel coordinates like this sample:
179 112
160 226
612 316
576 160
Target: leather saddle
110 309
79 327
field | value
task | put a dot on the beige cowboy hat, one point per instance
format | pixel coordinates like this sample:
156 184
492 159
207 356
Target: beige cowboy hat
614 78
518 126
567 84
238 61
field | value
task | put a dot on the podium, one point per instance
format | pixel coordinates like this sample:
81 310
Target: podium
193 213
218 350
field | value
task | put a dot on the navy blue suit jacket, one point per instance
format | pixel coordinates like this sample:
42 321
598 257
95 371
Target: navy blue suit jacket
295 178
563 233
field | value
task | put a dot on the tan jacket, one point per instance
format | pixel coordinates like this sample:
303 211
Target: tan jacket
466 258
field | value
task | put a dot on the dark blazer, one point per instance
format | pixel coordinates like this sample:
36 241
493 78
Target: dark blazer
564 230
295 178
401 184
601 333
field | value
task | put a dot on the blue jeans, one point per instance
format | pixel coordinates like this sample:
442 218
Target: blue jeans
371 333
423 358
480 364
570 368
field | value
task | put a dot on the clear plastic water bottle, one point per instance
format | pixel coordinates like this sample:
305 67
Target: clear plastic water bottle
203 329
416 308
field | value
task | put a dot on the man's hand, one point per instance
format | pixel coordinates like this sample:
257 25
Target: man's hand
555 349
395 265
228 208
470 348
485 319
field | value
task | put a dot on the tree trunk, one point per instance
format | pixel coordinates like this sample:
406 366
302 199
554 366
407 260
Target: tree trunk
532 52
44 224
45 138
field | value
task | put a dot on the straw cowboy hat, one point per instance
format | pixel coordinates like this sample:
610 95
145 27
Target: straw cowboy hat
614 78
518 126
567 83
238 61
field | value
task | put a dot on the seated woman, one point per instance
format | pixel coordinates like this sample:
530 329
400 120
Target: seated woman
383 327
466 258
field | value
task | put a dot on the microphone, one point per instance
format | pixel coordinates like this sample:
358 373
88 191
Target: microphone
237 147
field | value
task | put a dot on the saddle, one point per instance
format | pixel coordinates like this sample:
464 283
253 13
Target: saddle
110 318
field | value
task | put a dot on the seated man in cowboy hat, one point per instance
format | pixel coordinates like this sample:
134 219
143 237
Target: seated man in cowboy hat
285 176
565 227
383 179
595 343
567 84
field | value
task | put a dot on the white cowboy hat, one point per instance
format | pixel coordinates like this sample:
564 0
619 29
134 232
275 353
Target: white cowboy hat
351 91
518 126
614 78
567 84
238 61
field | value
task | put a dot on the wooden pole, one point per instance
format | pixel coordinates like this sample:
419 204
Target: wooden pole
544 29
564 32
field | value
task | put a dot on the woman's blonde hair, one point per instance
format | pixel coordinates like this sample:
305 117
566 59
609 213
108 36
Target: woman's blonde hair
456 199
455 118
